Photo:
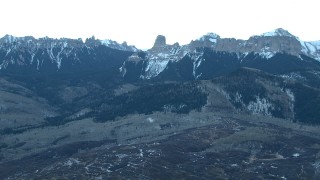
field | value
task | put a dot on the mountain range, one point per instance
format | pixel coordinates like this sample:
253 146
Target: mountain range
216 108
59 55
56 63
211 55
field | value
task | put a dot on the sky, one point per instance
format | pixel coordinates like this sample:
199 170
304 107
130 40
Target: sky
138 22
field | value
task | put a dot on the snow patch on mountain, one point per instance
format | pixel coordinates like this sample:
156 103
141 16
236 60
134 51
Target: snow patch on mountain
311 48
291 98
261 106
213 40
290 94
32 57
238 98
115 45
266 53
211 36
196 64
106 42
154 68
293 76
277 32
10 39
197 60
315 43
8 51
58 58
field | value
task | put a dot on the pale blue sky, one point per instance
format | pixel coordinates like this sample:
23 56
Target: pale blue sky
139 21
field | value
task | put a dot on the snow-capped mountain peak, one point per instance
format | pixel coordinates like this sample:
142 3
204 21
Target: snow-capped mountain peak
208 40
115 45
209 36
277 32
279 40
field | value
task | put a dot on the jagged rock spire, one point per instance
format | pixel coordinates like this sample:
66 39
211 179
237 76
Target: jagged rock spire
160 41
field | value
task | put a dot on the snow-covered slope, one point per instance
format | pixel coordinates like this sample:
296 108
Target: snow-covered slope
277 32
115 45
158 57
311 49
208 40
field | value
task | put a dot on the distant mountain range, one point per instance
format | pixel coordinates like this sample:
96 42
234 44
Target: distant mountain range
62 55
206 57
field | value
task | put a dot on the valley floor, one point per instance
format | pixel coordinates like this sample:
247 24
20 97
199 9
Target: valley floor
198 145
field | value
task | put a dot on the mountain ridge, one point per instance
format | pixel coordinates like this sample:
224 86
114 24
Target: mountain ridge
255 51
63 54
275 32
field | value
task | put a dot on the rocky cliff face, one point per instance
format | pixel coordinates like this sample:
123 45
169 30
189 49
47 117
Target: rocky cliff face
262 47
267 44
43 52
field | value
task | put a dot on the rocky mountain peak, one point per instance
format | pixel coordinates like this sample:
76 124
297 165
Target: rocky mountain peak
207 40
160 41
278 32
176 44
91 42
11 39
209 36
270 43
8 39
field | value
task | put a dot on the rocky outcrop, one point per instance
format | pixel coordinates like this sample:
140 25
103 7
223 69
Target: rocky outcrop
270 43
262 45
160 42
